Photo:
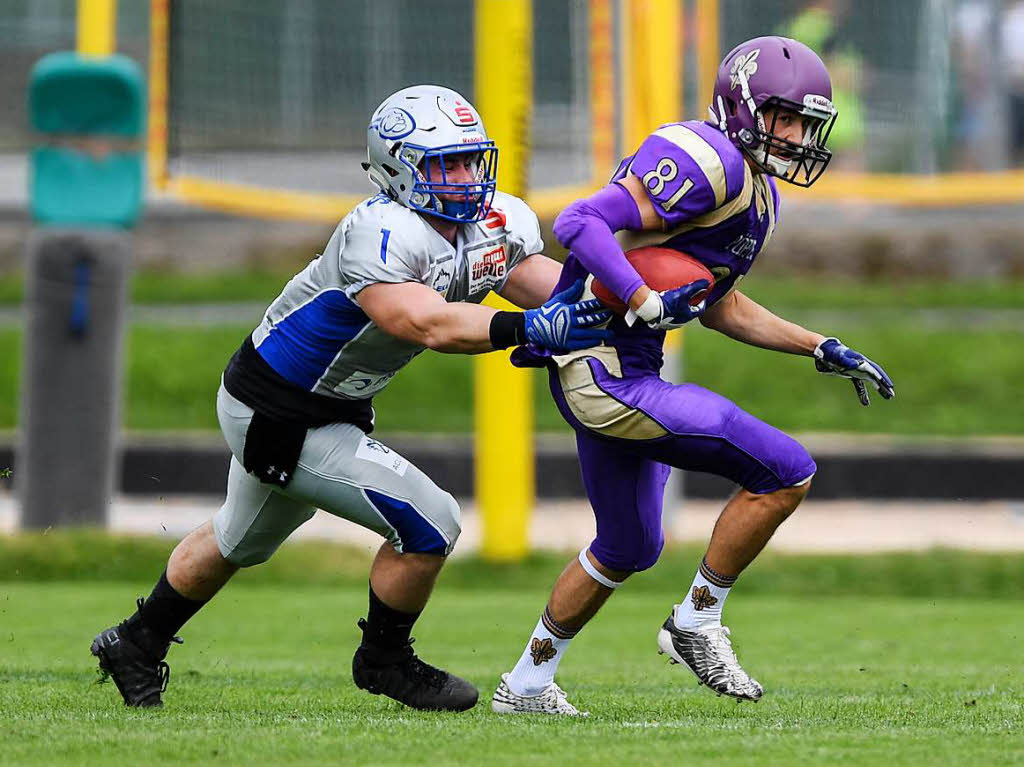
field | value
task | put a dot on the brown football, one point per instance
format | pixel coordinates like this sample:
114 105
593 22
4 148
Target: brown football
662 269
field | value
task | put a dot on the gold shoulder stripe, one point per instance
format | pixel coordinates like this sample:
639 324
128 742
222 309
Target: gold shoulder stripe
629 240
702 152
765 204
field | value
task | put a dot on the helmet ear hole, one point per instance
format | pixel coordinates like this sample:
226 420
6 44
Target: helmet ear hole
732 107
379 179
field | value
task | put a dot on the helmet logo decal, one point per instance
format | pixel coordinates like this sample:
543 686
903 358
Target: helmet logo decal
744 68
459 112
395 124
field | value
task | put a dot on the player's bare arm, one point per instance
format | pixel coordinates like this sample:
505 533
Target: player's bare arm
741 318
529 284
413 312
416 313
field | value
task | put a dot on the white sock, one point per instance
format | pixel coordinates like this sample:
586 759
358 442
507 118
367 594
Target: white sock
702 606
536 668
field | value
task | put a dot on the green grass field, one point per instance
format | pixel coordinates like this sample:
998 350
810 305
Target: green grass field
954 375
262 283
946 384
901 660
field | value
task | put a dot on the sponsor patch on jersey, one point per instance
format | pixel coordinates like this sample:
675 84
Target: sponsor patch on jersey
377 452
488 264
362 384
442 278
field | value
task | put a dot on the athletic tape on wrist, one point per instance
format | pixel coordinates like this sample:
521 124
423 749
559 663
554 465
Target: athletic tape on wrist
593 573
649 311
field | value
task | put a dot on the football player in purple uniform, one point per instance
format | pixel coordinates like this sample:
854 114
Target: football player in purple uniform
706 189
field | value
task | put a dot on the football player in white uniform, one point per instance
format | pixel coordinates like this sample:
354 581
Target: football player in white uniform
406 270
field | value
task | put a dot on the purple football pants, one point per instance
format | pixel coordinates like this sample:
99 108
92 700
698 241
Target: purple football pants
625 478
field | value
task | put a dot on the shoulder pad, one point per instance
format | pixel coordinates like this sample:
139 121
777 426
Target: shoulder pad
689 169
511 213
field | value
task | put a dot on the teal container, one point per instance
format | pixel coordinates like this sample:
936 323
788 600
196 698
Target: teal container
87 116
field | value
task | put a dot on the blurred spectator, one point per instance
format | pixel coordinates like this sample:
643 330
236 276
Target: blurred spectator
971 53
1012 34
988 49
817 26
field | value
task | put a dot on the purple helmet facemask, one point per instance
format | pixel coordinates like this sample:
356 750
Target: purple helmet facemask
756 82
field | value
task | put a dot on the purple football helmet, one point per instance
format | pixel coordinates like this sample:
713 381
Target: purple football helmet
766 75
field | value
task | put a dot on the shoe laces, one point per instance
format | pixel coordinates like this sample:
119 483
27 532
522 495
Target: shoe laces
719 638
406 657
434 677
562 702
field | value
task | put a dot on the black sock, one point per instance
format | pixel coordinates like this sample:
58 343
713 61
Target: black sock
165 611
385 627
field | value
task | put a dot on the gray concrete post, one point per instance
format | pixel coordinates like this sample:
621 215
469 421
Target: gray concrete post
71 376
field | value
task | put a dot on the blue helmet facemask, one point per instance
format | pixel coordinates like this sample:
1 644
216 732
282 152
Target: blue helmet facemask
464 202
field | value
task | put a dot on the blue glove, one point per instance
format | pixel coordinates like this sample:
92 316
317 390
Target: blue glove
670 308
565 324
832 357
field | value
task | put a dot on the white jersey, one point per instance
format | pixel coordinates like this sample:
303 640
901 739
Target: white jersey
316 336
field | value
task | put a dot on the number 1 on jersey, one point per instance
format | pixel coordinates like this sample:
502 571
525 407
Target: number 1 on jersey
685 187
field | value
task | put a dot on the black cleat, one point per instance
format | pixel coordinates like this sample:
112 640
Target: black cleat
402 676
141 675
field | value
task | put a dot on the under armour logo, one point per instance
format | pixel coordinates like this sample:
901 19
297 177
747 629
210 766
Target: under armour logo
282 476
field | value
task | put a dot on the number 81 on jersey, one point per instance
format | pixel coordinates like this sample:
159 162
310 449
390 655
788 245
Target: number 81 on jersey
655 181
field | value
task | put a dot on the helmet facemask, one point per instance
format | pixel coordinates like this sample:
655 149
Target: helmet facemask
434 194
799 164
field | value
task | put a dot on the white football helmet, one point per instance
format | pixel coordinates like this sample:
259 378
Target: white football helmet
421 123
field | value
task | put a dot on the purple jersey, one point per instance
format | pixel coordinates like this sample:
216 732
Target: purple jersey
713 208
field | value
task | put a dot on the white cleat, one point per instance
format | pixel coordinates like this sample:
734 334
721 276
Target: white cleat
551 701
709 655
